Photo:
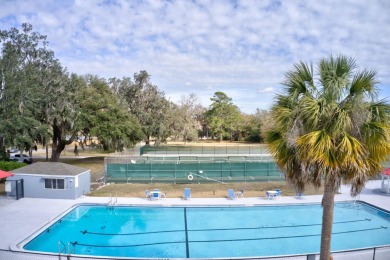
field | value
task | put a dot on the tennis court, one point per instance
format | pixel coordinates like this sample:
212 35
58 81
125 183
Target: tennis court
178 169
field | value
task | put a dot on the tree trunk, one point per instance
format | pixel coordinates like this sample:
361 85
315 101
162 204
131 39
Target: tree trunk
3 153
47 147
55 153
47 135
57 147
327 221
157 142
59 143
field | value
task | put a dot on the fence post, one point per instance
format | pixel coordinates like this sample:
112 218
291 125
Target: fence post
150 172
269 171
222 168
17 189
22 180
127 170
373 256
245 169
174 167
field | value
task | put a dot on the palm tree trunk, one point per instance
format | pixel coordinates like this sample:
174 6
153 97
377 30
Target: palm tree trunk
327 221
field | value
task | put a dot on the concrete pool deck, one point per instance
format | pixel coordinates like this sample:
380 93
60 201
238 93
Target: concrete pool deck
23 217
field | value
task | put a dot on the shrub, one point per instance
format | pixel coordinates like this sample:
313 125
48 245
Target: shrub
10 165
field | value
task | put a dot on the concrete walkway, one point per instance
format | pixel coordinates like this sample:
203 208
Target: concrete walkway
22 218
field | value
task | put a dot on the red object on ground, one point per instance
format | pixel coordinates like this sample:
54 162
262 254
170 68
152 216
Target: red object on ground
4 174
386 171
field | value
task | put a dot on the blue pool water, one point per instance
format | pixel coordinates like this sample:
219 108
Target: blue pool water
212 232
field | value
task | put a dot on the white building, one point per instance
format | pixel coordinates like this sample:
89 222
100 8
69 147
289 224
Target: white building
52 180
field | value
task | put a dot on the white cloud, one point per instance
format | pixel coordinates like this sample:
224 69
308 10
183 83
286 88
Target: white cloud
266 90
229 46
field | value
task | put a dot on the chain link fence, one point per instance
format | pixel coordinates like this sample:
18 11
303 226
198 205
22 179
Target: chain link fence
221 163
177 169
205 150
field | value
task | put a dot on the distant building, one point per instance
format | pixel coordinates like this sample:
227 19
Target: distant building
52 180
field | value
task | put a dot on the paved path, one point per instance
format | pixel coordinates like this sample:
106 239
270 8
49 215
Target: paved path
21 218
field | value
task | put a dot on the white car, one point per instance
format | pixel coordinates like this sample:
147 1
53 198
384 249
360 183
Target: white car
13 150
20 158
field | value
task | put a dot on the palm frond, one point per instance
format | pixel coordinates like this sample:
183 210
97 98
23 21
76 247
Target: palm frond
317 148
358 177
310 111
377 138
350 152
297 175
341 121
335 74
363 83
276 144
283 101
299 81
283 117
344 66
379 111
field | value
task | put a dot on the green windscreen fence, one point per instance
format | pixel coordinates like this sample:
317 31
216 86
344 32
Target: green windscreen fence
195 164
205 150
191 169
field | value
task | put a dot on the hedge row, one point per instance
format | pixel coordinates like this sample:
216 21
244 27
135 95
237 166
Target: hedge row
10 165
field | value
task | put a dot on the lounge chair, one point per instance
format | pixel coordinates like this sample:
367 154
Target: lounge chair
271 194
240 194
155 195
279 191
187 194
148 194
231 194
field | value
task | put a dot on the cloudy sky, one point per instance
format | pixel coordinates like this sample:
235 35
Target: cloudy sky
242 48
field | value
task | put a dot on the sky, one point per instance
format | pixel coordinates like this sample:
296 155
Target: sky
240 47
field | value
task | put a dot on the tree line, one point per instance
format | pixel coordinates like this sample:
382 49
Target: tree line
41 102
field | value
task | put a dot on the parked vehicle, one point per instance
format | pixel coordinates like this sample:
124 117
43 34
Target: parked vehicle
13 150
20 158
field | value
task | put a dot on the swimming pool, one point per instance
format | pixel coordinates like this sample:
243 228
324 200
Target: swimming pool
211 232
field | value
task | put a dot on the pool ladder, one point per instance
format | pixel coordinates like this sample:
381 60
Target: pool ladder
62 249
110 205
112 201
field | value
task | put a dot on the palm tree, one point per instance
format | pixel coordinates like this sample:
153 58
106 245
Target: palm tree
328 129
